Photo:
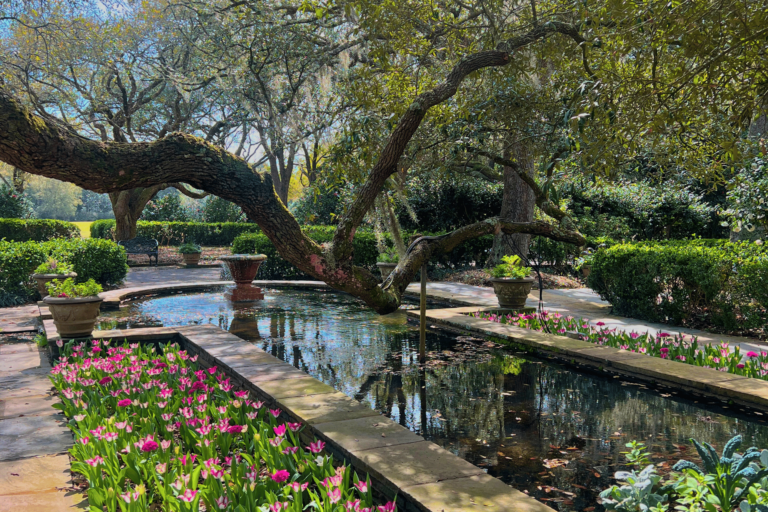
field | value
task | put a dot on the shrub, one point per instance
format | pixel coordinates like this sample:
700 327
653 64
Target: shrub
36 230
276 267
217 209
713 282
68 289
166 209
13 205
175 233
511 267
17 262
189 248
92 258
54 266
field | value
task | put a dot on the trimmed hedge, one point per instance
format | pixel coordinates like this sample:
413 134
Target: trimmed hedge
695 283
277 268
217 234
36 230
101 260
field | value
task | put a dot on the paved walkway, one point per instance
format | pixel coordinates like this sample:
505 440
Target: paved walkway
34 465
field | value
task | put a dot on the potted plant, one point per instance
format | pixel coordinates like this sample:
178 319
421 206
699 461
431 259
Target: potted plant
50 270
584 262
74 307
387 261
512 282
190 253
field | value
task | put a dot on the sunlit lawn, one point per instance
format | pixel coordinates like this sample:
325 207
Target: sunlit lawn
85 228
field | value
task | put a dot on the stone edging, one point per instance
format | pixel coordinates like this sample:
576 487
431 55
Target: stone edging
743 390
423 476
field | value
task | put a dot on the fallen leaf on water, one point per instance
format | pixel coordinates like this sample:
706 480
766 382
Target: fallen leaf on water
554 463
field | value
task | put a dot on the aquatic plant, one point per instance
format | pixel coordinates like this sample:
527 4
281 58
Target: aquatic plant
637 494
675 347
154 430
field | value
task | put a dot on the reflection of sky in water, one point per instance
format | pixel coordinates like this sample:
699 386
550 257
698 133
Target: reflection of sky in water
498 411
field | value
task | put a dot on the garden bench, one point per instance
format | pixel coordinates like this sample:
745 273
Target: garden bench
140 245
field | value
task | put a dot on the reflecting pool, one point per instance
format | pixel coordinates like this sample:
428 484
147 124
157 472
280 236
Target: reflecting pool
551 431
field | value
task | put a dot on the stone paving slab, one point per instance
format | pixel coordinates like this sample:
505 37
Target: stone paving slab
37 405
32 436
241 360
325 408
366 434
410 464
289 388
35 382
23 360
470 494
44 502
34 475
270 372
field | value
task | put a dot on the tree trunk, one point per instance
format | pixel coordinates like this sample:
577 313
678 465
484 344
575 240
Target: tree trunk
517 205
127 206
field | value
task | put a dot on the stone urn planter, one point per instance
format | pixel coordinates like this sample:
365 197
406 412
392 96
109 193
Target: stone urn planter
74 318
44 279
244 268
191 259
586 269
512 293
386 269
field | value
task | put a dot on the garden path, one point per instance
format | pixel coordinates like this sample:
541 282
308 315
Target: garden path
579 302
34 465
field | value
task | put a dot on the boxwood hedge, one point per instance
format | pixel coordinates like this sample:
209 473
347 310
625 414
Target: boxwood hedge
36 230
216 234
691 283
102 260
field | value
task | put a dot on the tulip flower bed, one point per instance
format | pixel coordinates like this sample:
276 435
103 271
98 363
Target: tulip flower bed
677 347
153 431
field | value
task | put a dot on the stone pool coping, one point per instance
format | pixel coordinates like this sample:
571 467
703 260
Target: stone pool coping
745 391
423 476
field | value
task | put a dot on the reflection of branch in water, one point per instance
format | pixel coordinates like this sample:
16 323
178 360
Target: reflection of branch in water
365 388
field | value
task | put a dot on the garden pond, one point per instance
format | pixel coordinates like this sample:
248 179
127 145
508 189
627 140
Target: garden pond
547 429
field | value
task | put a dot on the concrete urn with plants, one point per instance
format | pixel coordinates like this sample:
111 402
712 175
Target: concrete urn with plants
74 307
512 282
584 263
190 253
50 270
387 261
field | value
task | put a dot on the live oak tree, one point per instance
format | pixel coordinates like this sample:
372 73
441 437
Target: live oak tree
649 72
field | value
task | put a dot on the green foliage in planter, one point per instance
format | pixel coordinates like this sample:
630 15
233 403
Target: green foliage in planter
69 289
36 230
17 262
218 234
388 257
511 267
92 258
54 266
276 267
189 248
696 282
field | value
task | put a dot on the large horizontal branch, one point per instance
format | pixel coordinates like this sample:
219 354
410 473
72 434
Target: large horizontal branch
429 247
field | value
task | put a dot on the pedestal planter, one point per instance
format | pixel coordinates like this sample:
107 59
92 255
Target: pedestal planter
586 269
44 279
74 318
191 259
512 293
244 268
386 269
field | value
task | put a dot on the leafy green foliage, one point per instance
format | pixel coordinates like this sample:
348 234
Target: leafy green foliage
730 476
318 206
69 289
54 266
174 233
17 262
13 205
714 282
637 493
390 256
511 267
637 454
166 209
101 260
217 209
38 230
747 206
189 248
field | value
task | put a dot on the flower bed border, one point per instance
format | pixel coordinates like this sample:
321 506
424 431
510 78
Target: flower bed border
697 380
423 476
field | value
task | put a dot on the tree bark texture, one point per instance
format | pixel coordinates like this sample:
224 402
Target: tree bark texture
127 206
518 202
47 147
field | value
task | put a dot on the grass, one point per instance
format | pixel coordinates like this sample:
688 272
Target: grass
85 228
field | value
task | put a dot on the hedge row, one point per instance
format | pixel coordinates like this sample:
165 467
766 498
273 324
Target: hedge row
175 233
102 260
36 230
692 283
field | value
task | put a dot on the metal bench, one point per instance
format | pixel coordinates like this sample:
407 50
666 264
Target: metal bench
139 245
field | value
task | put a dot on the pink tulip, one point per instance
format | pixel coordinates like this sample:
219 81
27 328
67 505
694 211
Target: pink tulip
334 495
222 502
188 496
316 447
274 412
124 402
389 507
294 426
362 486
280 476
280 430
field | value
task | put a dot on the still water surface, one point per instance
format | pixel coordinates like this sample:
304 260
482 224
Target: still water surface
541 427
